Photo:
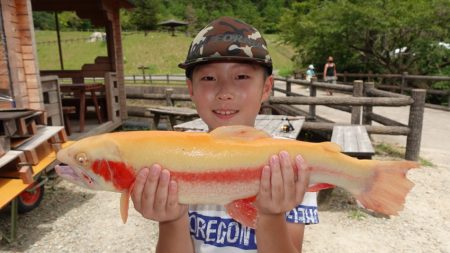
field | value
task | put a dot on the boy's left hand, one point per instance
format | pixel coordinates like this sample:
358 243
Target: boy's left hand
280 189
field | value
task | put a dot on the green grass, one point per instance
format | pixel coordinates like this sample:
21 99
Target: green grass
384 149
159 51
357 214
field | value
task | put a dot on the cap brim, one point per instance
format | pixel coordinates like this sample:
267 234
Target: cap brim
186 65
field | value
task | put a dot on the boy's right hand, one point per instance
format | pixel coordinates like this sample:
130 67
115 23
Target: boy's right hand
155 196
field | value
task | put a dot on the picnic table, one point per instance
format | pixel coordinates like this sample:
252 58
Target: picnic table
275 125
172 113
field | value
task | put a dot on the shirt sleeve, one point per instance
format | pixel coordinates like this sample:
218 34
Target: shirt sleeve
306 212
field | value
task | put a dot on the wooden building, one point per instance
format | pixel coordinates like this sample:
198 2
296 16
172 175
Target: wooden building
24 85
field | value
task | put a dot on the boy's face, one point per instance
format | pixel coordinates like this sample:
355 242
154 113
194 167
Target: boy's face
228 93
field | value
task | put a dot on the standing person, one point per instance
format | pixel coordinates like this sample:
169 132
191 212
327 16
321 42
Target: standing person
310 73
229 75
329 72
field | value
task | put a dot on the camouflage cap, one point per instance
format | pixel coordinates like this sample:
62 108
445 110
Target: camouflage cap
228 39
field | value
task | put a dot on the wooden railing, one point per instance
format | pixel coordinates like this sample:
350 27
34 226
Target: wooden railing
399 83
360 105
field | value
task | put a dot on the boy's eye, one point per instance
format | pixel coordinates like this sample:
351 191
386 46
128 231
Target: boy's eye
208 78
242 76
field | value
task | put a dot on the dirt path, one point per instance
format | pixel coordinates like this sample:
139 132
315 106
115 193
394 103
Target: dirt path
73 219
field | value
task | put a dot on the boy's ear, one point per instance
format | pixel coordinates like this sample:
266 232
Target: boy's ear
267 89
190 87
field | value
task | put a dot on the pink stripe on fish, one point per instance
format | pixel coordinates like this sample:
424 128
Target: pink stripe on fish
229 175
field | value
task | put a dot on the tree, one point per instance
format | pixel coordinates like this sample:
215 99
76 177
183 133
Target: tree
145 15
43 20
390 36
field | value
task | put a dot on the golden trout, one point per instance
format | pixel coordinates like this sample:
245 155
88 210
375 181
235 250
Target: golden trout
224 167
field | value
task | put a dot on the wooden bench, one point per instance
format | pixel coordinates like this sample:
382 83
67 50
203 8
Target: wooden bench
172 113
353 140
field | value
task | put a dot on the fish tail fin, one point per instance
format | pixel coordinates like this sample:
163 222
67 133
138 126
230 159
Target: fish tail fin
243 211
388 187
124 205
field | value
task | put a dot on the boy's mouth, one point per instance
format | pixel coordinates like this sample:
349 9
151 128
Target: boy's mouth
225 114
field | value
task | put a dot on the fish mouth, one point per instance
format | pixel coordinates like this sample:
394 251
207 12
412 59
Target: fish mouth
75 176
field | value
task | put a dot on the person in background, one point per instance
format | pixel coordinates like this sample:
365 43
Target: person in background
310 73
329 72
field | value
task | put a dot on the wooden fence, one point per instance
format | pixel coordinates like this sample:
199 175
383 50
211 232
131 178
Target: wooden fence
404 80
360 105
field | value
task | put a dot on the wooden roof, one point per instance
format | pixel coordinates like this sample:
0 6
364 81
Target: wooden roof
173 23
88 9
73 5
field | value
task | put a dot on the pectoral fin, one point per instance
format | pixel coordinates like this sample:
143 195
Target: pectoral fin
243 211
124 205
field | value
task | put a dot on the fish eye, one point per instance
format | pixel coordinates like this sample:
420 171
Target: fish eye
81 158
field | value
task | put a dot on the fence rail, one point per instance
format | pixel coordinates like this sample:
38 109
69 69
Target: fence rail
365 96
360 105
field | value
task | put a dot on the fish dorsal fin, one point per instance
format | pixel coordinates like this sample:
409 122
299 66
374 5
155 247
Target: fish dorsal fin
331 146
239 133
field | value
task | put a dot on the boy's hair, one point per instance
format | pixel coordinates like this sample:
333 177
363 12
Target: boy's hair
227 39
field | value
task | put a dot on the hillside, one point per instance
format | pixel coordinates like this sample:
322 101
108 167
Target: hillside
158 50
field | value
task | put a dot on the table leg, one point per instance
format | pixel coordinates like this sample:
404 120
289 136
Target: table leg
156 117
82 110
97 109
172 122
14 222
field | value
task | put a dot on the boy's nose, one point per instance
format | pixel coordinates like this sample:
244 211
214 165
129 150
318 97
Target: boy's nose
225 92
224 96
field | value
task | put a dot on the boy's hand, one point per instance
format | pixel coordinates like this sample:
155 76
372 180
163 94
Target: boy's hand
280 190
155 196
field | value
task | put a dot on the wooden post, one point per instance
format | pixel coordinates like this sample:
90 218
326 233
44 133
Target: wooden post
169 92
448 100
367 110
167 78
356 110
61 61
369 76
415 124
288 87
312 93
345 76
404 82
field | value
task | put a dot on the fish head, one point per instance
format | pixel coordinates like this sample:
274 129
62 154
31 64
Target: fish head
95 163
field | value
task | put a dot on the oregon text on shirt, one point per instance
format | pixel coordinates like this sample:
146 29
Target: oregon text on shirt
223 231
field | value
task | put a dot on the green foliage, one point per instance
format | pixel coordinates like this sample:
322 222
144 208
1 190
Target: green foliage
364 35
43 20
145 15
263 14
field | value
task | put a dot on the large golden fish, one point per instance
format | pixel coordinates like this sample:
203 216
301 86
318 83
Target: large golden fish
224 167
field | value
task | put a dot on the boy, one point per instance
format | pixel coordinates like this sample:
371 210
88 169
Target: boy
229 75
